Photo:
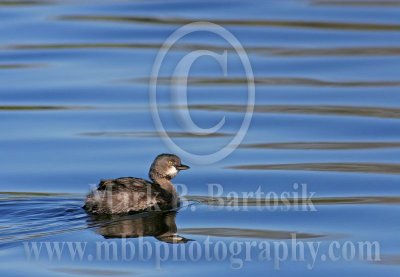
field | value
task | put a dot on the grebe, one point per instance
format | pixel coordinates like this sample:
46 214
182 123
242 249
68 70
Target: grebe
129 194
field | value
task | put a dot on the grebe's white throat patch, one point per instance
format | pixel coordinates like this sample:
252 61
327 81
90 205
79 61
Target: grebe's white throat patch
172 171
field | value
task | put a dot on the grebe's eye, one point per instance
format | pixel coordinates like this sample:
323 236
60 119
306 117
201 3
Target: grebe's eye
170 162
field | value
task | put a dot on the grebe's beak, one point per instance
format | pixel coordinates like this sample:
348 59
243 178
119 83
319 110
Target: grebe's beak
182 167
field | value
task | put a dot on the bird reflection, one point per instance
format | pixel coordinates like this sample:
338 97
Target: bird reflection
160 225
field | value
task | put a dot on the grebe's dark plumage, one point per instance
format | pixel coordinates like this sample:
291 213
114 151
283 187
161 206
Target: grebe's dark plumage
129 194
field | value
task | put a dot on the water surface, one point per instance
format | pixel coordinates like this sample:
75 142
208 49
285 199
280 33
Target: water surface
74 108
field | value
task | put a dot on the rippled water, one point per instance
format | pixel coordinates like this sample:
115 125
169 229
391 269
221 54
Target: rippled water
74 108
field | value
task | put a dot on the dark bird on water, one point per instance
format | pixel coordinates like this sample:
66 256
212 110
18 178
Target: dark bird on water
128 194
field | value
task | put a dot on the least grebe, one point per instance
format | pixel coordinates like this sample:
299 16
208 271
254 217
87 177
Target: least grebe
129 194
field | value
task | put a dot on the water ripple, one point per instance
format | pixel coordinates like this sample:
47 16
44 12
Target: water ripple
378 112
143 134
19 66
91 271
272 81
247 233
29 216
323 145
260 202
240 22
13 3
357 3
274 51
367 168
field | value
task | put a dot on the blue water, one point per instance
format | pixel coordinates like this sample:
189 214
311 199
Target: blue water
74 108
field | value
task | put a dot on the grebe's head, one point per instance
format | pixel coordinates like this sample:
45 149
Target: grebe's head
166 166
